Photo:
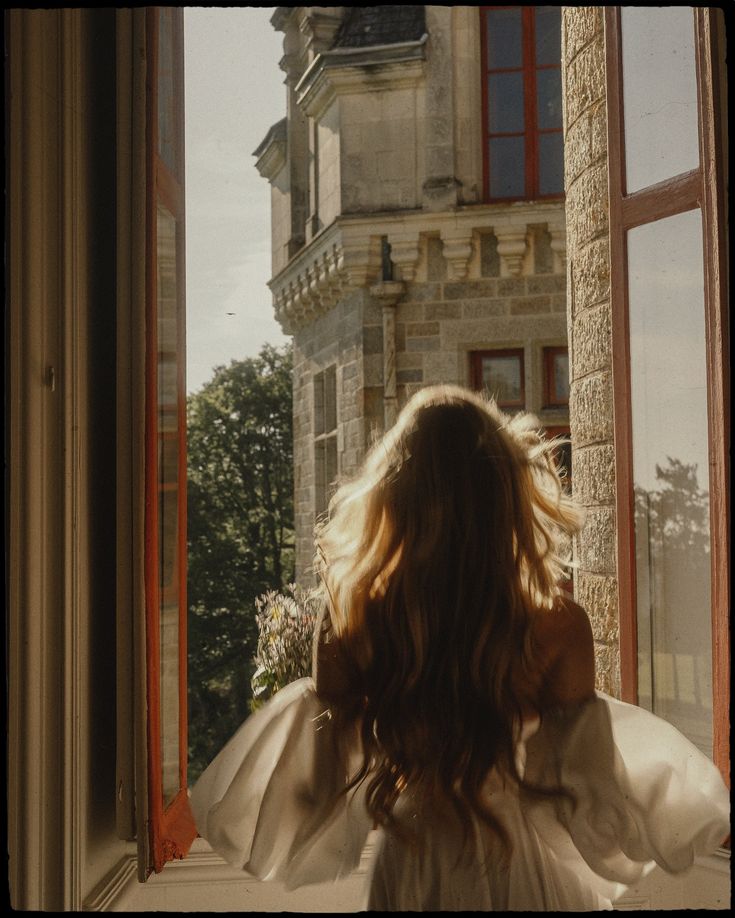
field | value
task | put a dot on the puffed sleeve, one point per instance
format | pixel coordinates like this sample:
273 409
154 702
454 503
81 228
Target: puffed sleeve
643 793
270 802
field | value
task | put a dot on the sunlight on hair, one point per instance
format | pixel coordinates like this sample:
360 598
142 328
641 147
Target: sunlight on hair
434 556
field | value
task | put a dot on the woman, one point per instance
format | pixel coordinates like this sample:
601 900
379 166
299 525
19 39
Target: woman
453 705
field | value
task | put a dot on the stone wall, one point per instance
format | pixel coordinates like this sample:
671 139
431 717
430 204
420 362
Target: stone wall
439 320
588 272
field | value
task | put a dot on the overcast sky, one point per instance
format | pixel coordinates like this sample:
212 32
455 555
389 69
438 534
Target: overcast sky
234 93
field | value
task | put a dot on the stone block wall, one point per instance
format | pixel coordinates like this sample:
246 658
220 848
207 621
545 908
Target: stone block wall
339 338
588 271
439 321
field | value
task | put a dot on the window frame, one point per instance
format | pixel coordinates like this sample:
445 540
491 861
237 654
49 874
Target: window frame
171 827
476 381
551 399
531 131
703 189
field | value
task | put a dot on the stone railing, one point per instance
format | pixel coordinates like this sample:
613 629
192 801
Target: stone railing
347 255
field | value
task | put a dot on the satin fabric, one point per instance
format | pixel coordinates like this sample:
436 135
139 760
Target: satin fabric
643 795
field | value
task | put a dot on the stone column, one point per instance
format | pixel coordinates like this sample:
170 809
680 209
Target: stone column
388 293
441 185
588 319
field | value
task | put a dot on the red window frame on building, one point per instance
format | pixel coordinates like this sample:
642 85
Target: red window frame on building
476 381
531 131
171 823
552 399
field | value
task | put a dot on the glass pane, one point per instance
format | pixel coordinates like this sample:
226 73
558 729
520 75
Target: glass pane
504 44
170 700
560 370
561 376
505 103
507 167
548 98
330 398
551 163
659 93
318 404
501 376
331 465
168 317
320 485
168 497
167 126
670 472
548 35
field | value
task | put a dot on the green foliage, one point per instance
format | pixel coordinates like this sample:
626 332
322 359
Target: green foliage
286 623
240 534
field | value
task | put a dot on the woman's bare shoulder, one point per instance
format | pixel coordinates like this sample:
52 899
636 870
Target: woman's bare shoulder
564 641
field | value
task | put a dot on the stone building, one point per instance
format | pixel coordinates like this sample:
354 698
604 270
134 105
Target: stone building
402 256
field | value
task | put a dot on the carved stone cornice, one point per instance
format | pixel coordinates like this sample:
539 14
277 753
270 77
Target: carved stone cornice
354 70
319 25
558 233
457 250
271 152
512 247
347 255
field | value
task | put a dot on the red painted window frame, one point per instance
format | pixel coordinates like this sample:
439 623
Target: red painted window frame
476 382
531 132
171 827
701 188
551 398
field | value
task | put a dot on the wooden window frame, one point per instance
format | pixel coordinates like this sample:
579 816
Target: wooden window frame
476 358
551 398
531 132
701 188
171 827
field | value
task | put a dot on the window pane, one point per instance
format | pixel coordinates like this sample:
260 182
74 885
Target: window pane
507 167
670 472
502 377
331 465
318 404
548 35
548 98
551 163
170 700
330 398
560 370
659 93
168 497
505 103
504 45
168 319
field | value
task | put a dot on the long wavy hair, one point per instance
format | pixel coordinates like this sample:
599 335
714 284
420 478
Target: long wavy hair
434 557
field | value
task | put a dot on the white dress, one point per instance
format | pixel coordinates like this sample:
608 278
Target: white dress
645 796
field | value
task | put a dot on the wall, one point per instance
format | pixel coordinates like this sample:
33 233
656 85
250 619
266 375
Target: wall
62 666
588 272
450 305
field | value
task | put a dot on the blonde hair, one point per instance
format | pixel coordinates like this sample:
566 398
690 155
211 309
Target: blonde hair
434 557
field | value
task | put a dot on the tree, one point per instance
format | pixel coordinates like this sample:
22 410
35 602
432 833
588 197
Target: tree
240 534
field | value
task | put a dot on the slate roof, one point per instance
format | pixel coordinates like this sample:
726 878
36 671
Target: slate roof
364 26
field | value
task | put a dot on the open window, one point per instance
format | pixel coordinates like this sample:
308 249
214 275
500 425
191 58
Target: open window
170 823
669 288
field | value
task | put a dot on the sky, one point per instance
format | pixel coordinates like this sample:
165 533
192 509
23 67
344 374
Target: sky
234 93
